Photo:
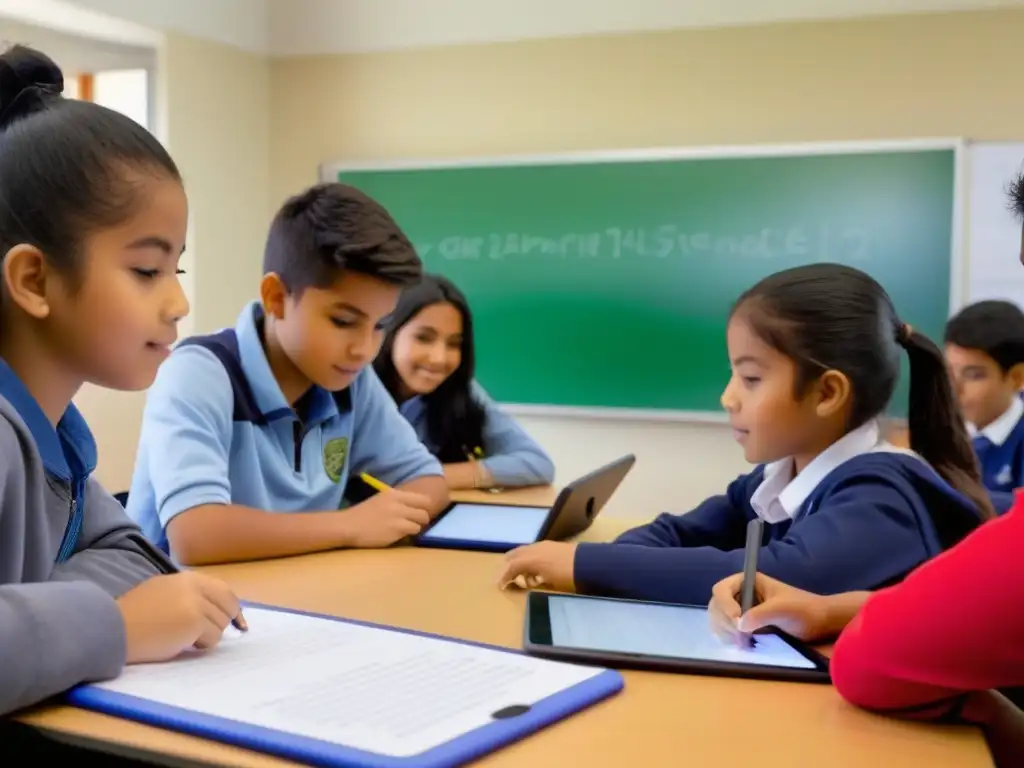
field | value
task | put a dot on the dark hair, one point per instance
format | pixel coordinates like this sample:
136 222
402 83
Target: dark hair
331 228
455 420
64 164
1017 196
832 317
993 327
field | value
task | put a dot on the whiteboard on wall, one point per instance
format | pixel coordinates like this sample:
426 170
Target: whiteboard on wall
994 233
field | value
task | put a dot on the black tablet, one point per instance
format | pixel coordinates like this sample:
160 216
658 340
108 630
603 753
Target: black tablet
486 527
496 527
660 637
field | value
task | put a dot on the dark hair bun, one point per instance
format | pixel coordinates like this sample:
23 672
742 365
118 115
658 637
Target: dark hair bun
29 80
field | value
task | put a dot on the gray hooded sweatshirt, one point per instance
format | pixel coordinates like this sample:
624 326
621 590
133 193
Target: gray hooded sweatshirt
67 550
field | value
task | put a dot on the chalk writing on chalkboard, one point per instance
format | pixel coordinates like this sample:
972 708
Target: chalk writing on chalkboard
844 244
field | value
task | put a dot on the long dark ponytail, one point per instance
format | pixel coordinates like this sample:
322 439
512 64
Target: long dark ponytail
937 430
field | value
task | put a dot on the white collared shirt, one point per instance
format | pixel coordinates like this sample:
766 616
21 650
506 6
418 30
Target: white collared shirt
780 495
999 430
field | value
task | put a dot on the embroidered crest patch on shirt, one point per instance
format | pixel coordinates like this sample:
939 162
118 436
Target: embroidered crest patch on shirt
335 453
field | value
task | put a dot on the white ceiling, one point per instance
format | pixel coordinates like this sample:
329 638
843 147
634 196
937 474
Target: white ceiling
79 19
75 53
298 27
241 23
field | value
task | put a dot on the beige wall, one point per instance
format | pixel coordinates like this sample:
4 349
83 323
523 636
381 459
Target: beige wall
218 108
953 75
889 78
215 103
247 132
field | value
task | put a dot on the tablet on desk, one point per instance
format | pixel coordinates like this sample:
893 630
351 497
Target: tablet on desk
659 637
501 527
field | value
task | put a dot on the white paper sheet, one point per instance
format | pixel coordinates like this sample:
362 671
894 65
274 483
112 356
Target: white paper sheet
381 691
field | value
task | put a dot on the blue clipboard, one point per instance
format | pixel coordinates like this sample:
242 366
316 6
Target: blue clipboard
459 751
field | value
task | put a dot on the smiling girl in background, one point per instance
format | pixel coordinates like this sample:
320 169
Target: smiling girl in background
427 363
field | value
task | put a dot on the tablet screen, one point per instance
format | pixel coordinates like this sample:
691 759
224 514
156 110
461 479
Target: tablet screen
492 523
678 632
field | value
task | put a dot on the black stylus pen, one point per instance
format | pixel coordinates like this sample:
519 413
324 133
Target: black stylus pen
748 590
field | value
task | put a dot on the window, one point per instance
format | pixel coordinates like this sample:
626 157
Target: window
71 87
125 90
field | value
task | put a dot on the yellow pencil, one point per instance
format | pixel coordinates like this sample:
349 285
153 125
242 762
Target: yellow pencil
373 482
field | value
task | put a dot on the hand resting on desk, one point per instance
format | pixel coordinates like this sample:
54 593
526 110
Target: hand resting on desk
547 562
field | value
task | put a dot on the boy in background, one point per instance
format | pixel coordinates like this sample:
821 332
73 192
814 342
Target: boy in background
985 354
249 435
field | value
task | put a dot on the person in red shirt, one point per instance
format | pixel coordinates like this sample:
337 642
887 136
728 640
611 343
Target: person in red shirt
936 646
933 647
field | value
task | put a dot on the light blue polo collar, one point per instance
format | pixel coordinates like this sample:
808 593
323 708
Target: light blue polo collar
69 451
266 391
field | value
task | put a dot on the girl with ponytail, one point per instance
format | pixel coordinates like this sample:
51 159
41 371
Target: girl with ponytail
815 354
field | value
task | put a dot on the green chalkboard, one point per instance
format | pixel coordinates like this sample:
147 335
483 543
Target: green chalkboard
607 283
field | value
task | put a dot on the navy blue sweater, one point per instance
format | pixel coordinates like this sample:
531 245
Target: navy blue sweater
1002 466
867 524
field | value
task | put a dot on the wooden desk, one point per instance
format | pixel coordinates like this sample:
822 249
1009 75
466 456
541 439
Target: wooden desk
658 720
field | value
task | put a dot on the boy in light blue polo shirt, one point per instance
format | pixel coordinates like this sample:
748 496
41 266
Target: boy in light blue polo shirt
274 415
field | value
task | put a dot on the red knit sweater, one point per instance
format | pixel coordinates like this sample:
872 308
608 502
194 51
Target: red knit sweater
955 625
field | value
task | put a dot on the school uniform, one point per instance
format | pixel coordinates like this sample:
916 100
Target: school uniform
218 430
67 550
512 457
858 517
1000 451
